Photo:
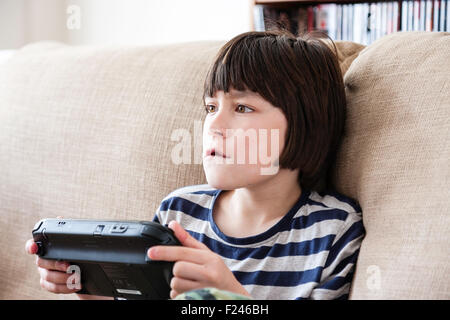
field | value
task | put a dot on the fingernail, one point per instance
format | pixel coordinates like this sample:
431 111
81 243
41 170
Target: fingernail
172 224
33 248
152 253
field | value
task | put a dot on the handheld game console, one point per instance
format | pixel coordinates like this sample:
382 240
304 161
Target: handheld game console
111 255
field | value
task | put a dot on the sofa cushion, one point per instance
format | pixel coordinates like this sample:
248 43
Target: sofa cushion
86 133
395 161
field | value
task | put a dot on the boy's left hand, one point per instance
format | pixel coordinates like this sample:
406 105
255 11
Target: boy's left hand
196 266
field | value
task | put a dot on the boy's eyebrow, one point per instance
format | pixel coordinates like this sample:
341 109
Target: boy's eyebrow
238 94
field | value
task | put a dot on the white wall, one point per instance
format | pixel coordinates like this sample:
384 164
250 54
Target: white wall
140 22
12 24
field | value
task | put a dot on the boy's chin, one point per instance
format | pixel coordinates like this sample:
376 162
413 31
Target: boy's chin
230 182
220 184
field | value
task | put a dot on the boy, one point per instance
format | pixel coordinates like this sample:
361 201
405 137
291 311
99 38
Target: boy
260 228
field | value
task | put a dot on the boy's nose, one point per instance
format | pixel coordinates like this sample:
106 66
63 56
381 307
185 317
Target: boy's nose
218 132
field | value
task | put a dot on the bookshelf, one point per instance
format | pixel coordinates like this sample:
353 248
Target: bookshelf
357 21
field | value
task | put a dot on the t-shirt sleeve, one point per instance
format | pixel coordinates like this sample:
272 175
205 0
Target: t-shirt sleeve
155 218
161 213
158 215
339 267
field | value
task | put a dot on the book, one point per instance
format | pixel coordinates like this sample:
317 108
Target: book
258 17
332 15
365 24
447 16
428 16
416 15
302 20
436 5
358 22
396 18
404 19
442 26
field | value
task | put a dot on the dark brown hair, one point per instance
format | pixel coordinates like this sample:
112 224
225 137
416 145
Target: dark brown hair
301 76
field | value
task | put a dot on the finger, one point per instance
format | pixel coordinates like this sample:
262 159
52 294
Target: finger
56 277
189 271
52 264
176 253
182 285
31 247
184 237
173 294
56 288
59 217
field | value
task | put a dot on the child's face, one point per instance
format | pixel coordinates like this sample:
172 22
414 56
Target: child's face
247 134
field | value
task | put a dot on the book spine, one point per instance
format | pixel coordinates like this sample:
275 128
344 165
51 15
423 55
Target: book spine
442 15
396 17
429 26
258 17
447 16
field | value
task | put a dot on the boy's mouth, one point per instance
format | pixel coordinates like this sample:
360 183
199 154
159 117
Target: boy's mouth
214 153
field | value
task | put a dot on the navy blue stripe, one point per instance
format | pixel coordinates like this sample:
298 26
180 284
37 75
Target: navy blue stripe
355 231
283 224
155 219
316 203
337 282
187 207
301 222
279 278
303 248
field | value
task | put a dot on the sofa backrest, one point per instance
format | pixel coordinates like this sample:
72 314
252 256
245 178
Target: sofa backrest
395 159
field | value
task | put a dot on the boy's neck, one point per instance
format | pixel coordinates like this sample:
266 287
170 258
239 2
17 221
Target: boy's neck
254 209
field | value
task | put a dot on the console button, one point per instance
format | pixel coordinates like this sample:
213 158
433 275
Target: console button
98 231
119 228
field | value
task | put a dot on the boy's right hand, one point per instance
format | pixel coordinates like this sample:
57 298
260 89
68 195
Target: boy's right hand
53 273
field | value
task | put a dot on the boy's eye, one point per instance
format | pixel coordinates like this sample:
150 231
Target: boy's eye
210 108
243 109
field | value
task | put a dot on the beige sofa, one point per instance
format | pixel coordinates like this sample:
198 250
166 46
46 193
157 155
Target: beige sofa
86 132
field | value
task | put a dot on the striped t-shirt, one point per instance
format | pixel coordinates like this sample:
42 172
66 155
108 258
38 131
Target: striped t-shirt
309 254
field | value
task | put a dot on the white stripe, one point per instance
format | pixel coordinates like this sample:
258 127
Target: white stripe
203 200
331 202
280 293
308 209
276 264
317 230
325 294
188 189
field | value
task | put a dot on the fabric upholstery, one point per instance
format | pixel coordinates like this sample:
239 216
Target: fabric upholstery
395 161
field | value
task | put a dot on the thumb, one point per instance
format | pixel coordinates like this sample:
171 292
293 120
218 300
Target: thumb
184 237
31 247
